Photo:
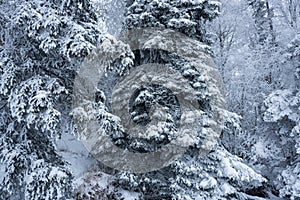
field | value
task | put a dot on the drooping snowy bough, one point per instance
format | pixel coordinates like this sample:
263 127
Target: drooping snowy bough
152 106
152 109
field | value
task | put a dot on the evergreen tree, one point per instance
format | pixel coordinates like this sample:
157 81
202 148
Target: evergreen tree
188 17
41 45
219 175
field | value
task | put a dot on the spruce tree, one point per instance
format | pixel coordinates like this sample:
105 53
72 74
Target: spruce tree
41 45
219 175
188 17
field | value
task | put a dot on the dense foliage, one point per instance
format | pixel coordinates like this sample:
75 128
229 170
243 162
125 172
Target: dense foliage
41 41
256 47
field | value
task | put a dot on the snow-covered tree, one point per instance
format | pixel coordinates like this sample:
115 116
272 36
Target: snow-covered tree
188 17
219 175
256 71
293 54
256 45
33 169
262 14
98 185
224 29
282 109
41 44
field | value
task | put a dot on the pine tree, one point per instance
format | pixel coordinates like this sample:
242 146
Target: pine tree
42 43
188 17
219 175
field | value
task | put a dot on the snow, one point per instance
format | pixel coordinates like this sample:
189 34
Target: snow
235 169
208 183
75 153
252 72
2 172
291 178
228 189
279 105
260 149
127 195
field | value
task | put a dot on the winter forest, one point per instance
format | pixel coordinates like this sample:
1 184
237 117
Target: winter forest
223 88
